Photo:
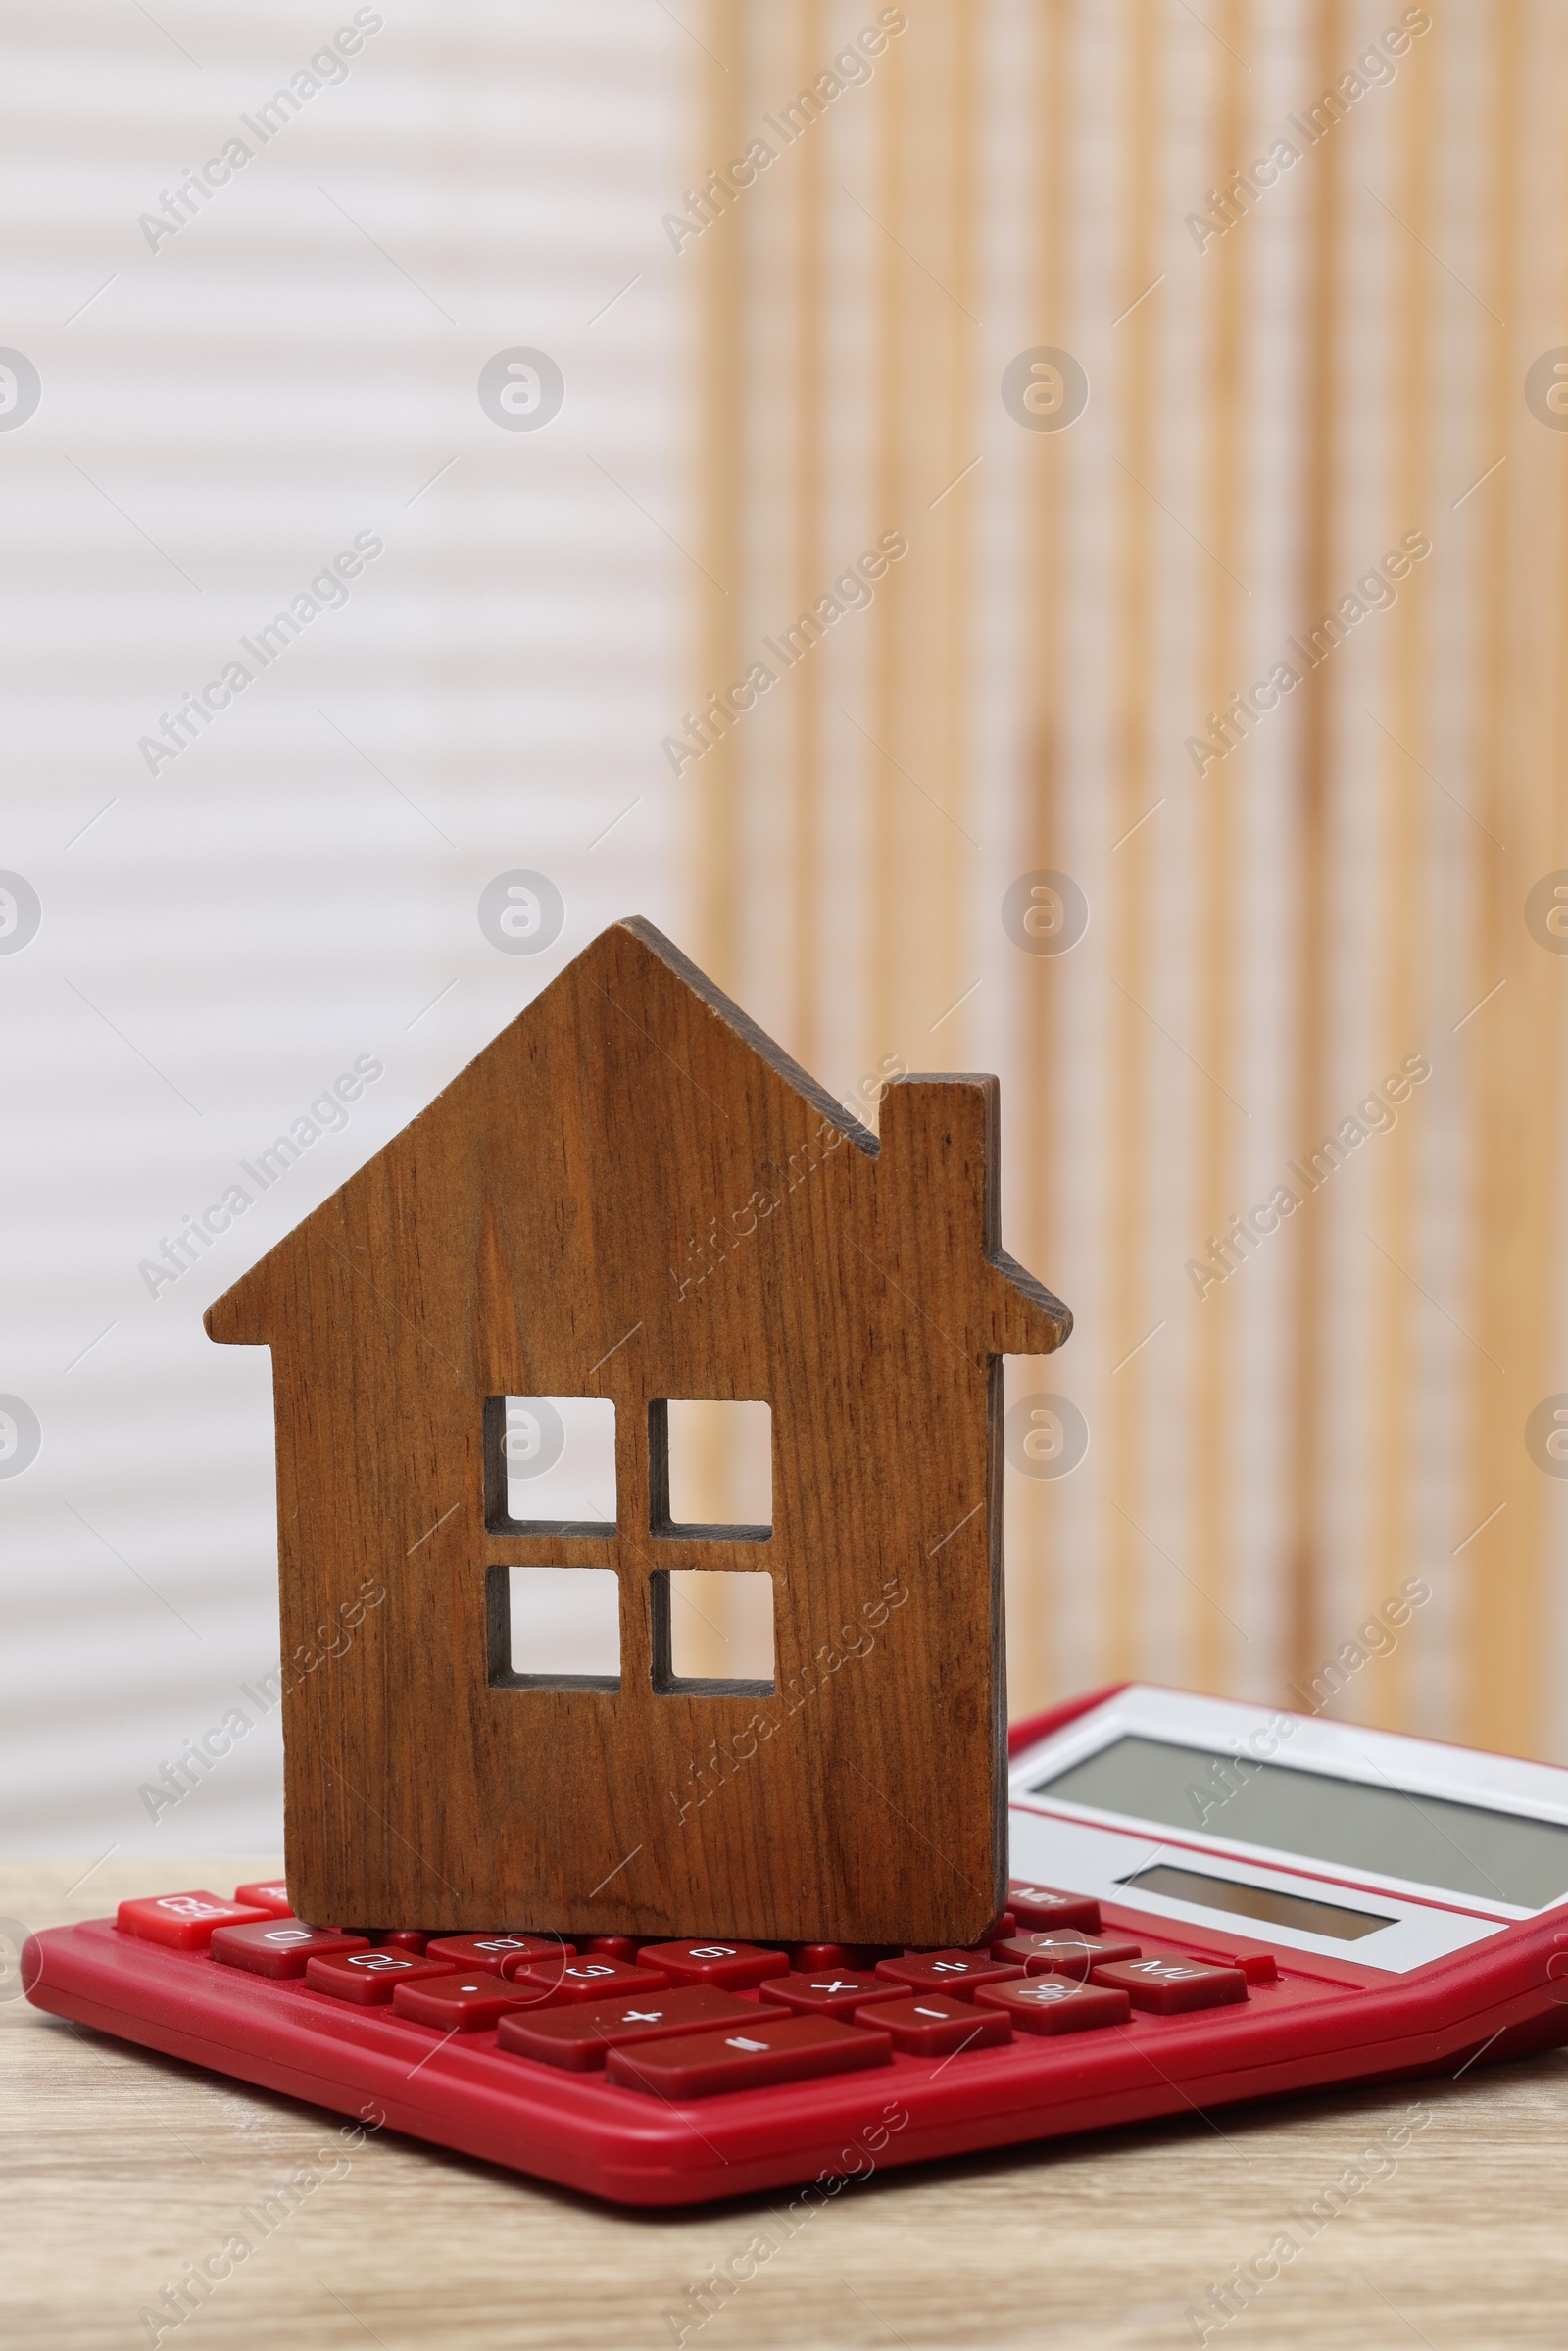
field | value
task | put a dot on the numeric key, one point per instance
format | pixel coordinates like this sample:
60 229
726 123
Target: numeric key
491 1951
552 1982
736 1966
369 1977
280 1948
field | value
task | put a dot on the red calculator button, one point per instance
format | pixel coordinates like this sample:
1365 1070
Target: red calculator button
955 1972
369 1978
932 2024
578 2035
272 1897
1055 2004
1006 1924
1067 1954
1047 1906
280 1947
1259 1967
807 1957
1170 1986
612 1947
455 2001
732 1966
408 1938
828 1992
184 1921
550 1983
765 2049
491 1950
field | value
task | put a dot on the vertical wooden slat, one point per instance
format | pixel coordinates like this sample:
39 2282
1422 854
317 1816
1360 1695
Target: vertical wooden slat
1034 1562
1551 469
950 547
1320 330
1504 1046
717 409
713 785
1216 1188
925 221
1132 764
808 308
887 1018
1405 1019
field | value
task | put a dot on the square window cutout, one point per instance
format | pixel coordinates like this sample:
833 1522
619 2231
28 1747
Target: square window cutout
713 1469
713 1632
550 1465
554 1628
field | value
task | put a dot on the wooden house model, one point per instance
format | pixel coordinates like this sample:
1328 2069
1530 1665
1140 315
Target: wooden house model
530 1236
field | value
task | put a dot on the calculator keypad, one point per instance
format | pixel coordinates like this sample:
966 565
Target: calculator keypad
698 2019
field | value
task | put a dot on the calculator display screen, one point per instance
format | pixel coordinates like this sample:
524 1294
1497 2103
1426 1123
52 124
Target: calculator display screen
1260 1902
1430 1841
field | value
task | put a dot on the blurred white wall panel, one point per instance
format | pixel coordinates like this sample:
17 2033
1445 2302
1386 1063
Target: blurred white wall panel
224 409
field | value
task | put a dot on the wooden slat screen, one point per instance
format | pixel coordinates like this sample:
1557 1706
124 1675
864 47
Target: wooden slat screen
1292 373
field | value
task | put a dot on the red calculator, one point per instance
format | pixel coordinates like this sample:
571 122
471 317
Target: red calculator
1210 1902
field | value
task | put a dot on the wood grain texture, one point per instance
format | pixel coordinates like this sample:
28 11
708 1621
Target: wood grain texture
633 1194
121 2166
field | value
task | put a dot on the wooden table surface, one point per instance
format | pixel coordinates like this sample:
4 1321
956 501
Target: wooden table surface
121 2166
